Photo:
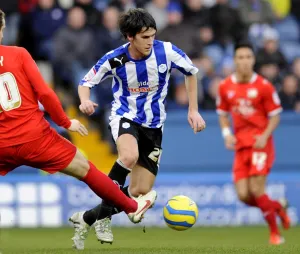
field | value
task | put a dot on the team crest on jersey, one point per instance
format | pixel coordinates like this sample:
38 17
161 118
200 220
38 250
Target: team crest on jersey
252 93
162 68
126 125
230 94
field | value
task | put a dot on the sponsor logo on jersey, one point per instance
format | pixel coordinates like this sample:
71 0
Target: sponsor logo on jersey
141 89
252 93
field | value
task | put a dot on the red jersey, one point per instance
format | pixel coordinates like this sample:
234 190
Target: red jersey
21 87
250 105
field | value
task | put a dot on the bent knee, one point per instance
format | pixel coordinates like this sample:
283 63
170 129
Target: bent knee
129 159
244 196
80 166
136 191
257 190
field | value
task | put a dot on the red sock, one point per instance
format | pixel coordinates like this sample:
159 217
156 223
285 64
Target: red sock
106 189
276 205
268 210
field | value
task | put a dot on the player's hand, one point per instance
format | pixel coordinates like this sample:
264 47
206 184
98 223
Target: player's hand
88 107
230 142
261 142
196 121
77 126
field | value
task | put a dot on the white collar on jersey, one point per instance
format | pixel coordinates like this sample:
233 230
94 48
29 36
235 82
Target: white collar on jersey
252 80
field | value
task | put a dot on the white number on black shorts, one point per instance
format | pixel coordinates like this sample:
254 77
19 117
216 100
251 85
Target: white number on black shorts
155 155
259 160
9 92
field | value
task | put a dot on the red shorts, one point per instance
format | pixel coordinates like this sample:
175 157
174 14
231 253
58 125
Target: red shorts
250 162
51 153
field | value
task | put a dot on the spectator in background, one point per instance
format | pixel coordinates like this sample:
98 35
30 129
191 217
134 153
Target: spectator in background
26 6
289 93
270 53
125 5
209 3
74 47
195 13
227 66
256 11
91 13
258 16
205 33
158 9
226 24
25 36
108 35
12 18
296 68
175 31
206 71
45 20
281 8
209 101
270 71
65 4
295 9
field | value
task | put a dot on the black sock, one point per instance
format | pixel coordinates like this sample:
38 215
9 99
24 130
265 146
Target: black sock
90 216
118 174
126 191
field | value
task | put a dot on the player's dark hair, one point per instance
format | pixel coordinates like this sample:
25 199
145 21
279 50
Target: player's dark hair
243 45
133 21
2 16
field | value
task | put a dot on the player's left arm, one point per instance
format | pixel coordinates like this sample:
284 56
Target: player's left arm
182 62
195 119
272 106
47 97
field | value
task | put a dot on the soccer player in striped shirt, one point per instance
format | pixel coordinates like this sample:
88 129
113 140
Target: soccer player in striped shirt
140 70
26 138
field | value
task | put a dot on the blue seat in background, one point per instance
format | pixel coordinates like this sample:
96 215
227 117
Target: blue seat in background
288 29
291 50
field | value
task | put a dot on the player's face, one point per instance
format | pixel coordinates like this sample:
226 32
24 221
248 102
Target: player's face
143 41
244 61
2 30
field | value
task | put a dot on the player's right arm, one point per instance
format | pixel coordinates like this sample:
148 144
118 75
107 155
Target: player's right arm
224 121
99 72
47 97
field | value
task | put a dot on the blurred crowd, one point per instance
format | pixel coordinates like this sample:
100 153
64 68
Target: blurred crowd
68 36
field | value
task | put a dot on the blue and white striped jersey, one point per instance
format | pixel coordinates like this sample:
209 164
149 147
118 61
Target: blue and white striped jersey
140 86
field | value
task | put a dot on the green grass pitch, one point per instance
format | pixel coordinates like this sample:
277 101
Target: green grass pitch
156 240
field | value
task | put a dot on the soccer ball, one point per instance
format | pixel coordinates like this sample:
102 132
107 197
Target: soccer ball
180 213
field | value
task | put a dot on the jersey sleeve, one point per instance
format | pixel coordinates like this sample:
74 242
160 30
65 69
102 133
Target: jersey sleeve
181 62
45 94
99 72
222 104
271 100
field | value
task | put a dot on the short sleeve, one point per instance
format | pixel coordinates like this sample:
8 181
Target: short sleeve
271 100
181 62
99 72
222 104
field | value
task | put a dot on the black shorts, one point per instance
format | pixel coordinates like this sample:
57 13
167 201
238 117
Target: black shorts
149 141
